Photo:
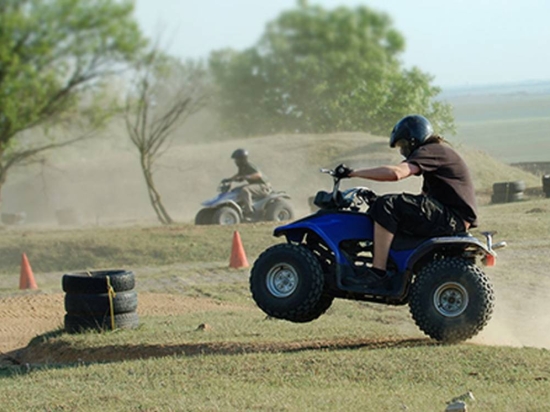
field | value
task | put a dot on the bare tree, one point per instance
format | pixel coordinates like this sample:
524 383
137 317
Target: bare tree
55 57
165 93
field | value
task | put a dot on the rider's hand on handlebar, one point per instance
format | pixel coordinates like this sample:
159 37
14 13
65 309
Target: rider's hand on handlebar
342 171
226 180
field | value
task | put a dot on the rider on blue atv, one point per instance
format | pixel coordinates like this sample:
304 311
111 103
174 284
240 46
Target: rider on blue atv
446 206
257 185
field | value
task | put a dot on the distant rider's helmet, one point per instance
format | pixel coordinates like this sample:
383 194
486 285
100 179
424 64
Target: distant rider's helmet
240 154
414 130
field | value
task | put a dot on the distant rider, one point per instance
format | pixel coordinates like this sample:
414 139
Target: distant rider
257 185
446 206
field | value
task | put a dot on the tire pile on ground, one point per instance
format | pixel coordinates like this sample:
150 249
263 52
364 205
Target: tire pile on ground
88 300
546 185
506 192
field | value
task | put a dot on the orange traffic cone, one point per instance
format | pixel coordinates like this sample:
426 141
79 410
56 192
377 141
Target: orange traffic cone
26 280
238 257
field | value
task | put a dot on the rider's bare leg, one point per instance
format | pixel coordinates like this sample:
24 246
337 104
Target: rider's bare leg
382 243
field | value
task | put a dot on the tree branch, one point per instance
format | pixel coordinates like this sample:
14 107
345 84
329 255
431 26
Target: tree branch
18 157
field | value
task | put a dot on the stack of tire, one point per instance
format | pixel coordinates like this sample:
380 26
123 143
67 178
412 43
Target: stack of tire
546 185
90 295
506 192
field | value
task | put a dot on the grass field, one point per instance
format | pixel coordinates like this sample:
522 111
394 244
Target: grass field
358 356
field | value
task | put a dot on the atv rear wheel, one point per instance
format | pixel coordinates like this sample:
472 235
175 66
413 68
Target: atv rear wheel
279 210
451 300
287 282
226 215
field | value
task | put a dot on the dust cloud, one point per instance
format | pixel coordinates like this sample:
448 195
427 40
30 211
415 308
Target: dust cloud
522 313
102 184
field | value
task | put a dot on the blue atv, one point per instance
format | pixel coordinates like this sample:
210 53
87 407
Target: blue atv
224 209
449 296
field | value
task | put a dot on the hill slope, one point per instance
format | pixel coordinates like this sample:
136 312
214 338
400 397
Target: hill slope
108 187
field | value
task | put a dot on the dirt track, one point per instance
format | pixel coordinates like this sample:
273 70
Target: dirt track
520 319
22 317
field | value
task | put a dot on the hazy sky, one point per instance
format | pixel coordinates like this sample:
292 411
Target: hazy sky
460 42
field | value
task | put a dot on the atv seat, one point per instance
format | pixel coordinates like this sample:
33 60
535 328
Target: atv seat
403 241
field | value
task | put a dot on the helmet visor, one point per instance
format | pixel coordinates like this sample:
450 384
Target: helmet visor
404 147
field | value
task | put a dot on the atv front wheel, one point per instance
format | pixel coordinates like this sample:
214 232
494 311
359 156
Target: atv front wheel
204 217
451 300
287 282
226 216
315 312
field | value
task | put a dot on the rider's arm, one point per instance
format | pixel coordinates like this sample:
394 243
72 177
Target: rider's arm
387 173
239 178
253 176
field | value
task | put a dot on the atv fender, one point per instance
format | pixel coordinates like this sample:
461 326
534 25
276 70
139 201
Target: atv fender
230 204
278 195
273 197
332 228
460 242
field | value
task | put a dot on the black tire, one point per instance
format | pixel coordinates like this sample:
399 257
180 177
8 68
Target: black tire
96 281
319 309
287 282
204 217
226 215
98 304
509 187
506 197
78 324
451 300
546 185
279 210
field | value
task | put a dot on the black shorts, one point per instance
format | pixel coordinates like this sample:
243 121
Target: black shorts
415 215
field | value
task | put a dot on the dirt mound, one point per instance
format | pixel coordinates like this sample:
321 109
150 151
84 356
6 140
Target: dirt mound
107 187
62 352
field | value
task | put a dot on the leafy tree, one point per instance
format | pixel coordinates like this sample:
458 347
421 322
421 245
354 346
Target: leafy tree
54 55
165 93
323 71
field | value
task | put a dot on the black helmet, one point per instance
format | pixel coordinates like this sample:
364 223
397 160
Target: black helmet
415 129
240 154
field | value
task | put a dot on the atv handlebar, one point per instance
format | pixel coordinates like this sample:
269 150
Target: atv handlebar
351 198
327 171
225 185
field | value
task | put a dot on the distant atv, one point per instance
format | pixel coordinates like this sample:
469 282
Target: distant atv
449 296
225 210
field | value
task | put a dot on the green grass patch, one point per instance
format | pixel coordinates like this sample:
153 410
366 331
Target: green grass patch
358 356
191 252
52 250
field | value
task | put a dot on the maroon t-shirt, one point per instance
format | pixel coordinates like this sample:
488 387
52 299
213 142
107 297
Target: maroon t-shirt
446 179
